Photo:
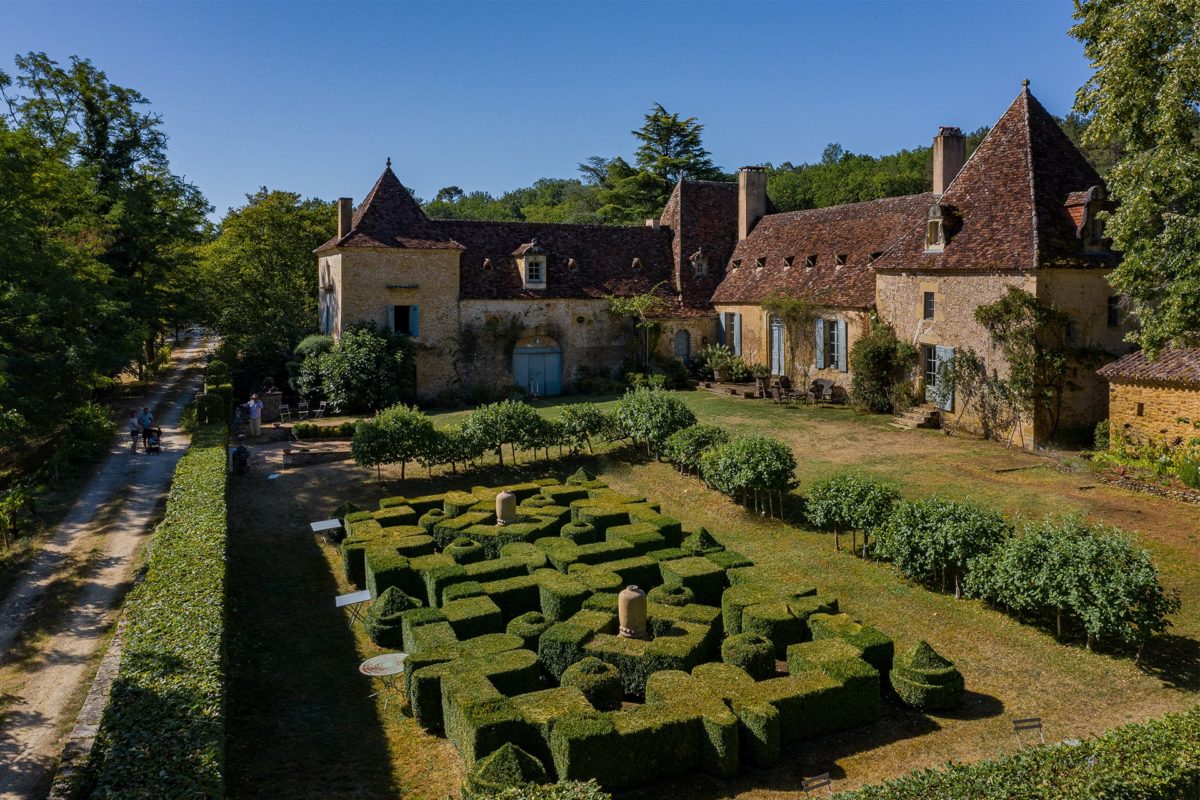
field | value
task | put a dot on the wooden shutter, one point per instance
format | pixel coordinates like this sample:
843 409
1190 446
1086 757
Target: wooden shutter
721 328
945 356
414 316
820 344
737 334
841 346
392 318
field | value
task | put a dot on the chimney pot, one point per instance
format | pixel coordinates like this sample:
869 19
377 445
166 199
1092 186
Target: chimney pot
345 214
752 198
949 155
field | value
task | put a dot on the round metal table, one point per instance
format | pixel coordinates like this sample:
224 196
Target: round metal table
387 668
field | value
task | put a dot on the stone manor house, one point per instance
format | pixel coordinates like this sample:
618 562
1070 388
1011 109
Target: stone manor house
506 303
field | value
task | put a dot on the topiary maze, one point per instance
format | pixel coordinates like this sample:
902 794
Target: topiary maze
511 635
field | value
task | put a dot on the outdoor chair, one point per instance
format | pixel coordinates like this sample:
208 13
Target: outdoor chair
285 412
302 410
760 387
822 390
320 412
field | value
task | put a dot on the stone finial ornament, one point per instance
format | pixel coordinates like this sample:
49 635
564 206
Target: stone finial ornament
631 612
506 508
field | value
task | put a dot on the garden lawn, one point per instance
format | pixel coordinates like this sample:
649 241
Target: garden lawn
1011 670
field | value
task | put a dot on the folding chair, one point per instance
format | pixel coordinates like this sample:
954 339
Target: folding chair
1028 724
320 412
822 781
302 410
356 602
285 412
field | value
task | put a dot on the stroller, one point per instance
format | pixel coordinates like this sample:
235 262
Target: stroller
154 440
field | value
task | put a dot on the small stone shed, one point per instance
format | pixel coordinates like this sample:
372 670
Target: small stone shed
1157 399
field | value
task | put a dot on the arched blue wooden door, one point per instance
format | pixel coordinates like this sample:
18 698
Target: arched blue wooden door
683 345
537 366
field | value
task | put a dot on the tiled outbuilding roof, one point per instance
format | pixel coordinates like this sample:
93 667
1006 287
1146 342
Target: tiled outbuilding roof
703 217
390 217
1011 202
855 232
1172 366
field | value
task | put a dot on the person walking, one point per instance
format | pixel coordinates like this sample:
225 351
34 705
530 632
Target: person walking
135 430
256 408
146 421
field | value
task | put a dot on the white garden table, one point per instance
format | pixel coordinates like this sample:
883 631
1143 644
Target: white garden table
387 668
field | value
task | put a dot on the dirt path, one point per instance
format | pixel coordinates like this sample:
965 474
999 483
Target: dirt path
46 657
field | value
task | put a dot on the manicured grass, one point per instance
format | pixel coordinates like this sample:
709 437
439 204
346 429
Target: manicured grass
1011 670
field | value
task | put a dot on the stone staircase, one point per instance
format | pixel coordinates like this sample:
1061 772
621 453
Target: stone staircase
922 416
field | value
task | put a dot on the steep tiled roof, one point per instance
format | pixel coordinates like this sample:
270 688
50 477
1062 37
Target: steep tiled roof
603 256
390 217
855 231
1011 201
703 216
1174 366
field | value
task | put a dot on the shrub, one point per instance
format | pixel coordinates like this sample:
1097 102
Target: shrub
652 415
505 423
464 550
751 652
938 537
383 619
369 368
850 501
566 790
685 448
582 421
1149 761
371 445
504 768
162 734
1100 440
88 434
753 467
314 344
529 626
880 362
925 680
599 682
676 595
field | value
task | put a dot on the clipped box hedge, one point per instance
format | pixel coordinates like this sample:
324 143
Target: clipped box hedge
163 731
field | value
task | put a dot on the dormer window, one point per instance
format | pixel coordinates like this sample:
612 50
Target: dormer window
810 261
787 261
839 260
759 263
871 259
737 262
637 263
487 264
572 264
699 263
936 222
531 259
1093 227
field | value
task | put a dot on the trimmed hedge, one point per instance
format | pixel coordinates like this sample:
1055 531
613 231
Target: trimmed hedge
599 682
384 619
671 595
923 679
876 647
508 766
751 652
1156 760
529 626
163 732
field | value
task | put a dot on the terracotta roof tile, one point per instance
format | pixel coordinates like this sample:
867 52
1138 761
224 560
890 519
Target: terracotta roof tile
390 217
1176 366
703 215
856 231
1010 199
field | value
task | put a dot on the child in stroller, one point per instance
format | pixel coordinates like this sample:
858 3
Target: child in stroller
153 439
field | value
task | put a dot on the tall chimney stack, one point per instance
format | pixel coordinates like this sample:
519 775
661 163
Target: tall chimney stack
949 155
345 208
752 198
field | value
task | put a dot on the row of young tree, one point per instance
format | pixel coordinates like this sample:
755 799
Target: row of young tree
1060 571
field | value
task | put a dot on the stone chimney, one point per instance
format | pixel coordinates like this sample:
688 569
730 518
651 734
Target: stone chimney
949 155
752 198
345 208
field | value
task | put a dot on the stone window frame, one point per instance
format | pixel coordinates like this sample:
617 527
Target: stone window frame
928 305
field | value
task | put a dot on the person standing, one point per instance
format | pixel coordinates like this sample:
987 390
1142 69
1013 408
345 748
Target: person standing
256 408
146 421
135 430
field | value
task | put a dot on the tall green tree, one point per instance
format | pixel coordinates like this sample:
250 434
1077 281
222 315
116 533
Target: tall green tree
260 281
672 148
1145 93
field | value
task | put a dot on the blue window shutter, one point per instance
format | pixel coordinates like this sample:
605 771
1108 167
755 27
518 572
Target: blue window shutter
414 316
391 318
820 344
721 328
841 346
945 356
737 334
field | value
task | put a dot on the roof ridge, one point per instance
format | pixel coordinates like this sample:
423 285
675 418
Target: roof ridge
564 225
848 205
1025 96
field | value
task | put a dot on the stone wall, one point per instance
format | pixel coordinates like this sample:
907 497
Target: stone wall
587 333
366 282
899 298
1083 295
702 331
1163 405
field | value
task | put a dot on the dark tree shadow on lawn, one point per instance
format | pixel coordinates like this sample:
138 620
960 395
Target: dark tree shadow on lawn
1174 660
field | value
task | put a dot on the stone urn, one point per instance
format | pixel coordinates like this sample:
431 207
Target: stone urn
506 508
631 612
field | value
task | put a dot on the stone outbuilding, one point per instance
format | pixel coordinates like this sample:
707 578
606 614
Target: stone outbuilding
1155 400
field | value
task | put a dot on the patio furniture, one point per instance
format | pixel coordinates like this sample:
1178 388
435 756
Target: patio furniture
387 668
326 527
303 410
320 412
285 412
822 390
354 601
760 388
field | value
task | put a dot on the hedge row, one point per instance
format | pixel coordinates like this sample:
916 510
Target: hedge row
756 470
163 732
1156 760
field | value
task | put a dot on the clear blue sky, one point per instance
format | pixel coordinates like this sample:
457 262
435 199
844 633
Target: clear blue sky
313 97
